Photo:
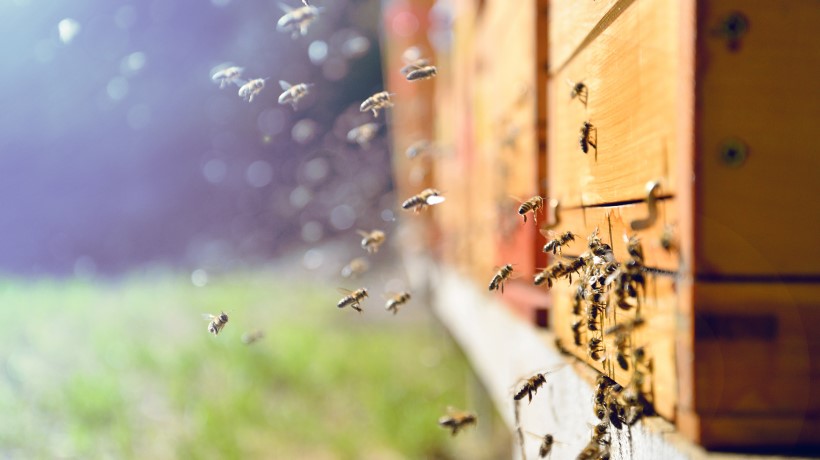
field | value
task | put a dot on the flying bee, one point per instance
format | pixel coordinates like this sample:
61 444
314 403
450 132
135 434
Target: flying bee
531 386
579 90
533 205
363 134
216 322
353 299
596 349
413 64
355 268
584 139
497 283
426 197
549 274
456 420
252 89
396 301
422 73
576 332
376 102
291 94
634 248
252 337
372 241
417 148
575 266
546 444
554 245
297 20
227 76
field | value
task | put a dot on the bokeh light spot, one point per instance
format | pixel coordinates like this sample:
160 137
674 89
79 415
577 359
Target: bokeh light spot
199 277
132 63
139 116
117 88
335 68
271 122
313 259
304 131
316 169
300 197
259 174
68 29
405 24
215 171
355 47
125 17
342 217
312 232
317 52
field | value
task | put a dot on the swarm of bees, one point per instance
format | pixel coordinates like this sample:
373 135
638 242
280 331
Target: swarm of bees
456 419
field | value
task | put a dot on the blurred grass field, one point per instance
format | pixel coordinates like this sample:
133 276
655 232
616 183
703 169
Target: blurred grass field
126 369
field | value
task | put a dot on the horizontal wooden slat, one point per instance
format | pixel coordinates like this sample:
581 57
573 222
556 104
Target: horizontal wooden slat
754 216
630 72
571 22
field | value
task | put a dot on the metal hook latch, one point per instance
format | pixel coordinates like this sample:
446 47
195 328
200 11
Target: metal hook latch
651 202
553 215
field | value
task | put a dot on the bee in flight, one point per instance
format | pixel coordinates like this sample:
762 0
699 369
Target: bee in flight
376 102
558 240
252 337
456 420
426 197
530 386
533 205
546 444
353 299
420 69
502 275
216 322
251 89
584 139
579 90
393 303
372 240
297 20
228 75
291 94
363 134
355 268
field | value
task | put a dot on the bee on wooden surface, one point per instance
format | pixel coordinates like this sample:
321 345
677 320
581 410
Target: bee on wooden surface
228 75
599 433
579 90
533 205
353 299
291 94
668 238
397 301
503 274
371 241
363 134
217 322
355 268
558 240
584 139
575 266
576 332
596 349
250 338
417 148
577 299
426 197
530 386
634 247
376 102
252 89
297 20
456 419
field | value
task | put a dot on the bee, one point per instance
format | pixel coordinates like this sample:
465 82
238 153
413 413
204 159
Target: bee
291 94
550 273
252 89
579 90
584 139
497 283
576 332
252 337
530 387
634 248
297 20
422 72
577 299
396 301
353 299
533 205
546 444
426 197
227 76
668 238
575 266
363 134
411 63
554 245
216 322
376 102
599 433
372 241
456 420
417 148
355 268
596 349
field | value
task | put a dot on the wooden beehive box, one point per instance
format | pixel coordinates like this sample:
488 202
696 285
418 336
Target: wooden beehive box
692 96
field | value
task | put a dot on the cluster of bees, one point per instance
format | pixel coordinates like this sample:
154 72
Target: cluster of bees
296 21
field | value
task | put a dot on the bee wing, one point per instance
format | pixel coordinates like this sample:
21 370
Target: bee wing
537 436
285 85
344 291
285 8
304 2
239 82
435 199
208 316
363 233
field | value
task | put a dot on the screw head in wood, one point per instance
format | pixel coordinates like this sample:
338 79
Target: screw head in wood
733 153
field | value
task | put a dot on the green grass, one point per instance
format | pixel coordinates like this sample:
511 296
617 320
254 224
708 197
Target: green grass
126 369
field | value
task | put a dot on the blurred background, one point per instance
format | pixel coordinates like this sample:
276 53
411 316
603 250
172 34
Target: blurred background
138 195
